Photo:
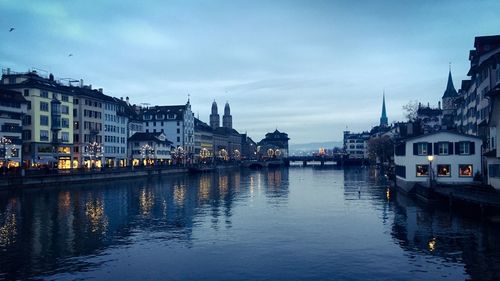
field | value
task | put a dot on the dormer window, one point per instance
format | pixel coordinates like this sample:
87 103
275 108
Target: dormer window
159 116
171 116
147 117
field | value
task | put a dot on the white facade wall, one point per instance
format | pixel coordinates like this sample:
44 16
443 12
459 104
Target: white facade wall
411 161
115 136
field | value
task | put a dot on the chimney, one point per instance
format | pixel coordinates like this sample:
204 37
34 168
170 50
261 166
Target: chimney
8 70
51 77
100 90
121 98
81 83
439 105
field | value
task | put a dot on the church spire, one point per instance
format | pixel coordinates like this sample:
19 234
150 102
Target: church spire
450 89
383 118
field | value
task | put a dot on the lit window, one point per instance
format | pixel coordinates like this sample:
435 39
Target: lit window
422 170
443 170
465 170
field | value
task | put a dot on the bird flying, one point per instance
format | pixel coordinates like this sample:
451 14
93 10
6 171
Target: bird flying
11 29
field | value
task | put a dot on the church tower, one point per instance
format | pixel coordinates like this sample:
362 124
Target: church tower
227 119
449 106
214 117
383 117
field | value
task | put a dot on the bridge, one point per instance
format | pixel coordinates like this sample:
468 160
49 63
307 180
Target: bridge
338 159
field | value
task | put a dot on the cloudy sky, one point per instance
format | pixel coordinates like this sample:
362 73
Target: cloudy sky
310 68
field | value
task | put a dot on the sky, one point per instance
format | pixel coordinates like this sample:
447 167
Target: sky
309 68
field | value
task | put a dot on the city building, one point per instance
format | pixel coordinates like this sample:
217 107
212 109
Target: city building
356 144
149 149
493 156
429 118
89 121
442 157
13 107
248 147
203 141
48 123
175 121
277 142
474 105
115 133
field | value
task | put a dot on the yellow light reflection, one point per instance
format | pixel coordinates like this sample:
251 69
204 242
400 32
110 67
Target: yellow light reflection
94 209
146 202
388 194
432 244
179 194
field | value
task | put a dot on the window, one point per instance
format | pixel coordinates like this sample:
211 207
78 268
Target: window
29 105
178 139
65 122
76 137
27 120
26 135
44 106
465 170
443 170
75 101
65 109
443 148
400 171
178 131
422 148
26 92
44 135
65 136
44 120
44 94
422 170
64 98
464 148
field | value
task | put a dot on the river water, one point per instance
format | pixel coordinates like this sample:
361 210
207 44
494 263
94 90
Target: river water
284 224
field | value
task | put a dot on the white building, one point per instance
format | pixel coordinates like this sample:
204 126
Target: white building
356 144
456 159
115 133
175 121
149 149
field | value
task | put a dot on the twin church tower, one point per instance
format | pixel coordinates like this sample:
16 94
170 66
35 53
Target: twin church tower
227 119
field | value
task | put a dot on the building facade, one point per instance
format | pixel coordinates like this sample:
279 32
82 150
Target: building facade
175 121
149 149
456 159
356 144
115 133
13 107
48 123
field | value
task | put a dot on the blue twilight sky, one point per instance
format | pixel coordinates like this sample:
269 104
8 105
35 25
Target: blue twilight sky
309 68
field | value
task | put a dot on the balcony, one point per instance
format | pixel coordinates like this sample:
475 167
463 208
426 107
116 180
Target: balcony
12 129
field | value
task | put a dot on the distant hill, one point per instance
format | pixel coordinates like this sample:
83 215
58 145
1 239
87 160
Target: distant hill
301 148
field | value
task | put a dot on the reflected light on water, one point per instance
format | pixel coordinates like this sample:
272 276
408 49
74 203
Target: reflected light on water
94 209
146 201
179 194
8 230
204 188
432 244
223 185
388 194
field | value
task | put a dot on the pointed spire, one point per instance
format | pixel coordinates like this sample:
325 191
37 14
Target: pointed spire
450 89
383 118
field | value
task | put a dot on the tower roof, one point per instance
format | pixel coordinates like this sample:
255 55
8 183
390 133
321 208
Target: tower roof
383 117
450 89
214 107
227 110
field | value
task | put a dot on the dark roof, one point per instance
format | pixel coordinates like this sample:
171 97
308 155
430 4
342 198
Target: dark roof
88 92
277 134
480 40
140 136
427 111
178 110
450 91
201 126
225 131
11 96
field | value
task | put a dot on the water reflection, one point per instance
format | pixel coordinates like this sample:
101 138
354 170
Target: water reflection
44 233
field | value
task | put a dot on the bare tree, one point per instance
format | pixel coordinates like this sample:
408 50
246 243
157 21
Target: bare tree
380 149
410 110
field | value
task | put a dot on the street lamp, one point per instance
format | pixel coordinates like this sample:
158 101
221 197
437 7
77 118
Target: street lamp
430 158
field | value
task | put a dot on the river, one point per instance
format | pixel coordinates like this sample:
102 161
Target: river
297 223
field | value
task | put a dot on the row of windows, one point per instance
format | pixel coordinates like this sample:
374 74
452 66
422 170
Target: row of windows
114 129
45 94
151 152
114 139
444 170
443 148
159 116
91 113
92 103
44 135
137 144
114 118
92 126
161 123
114 149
